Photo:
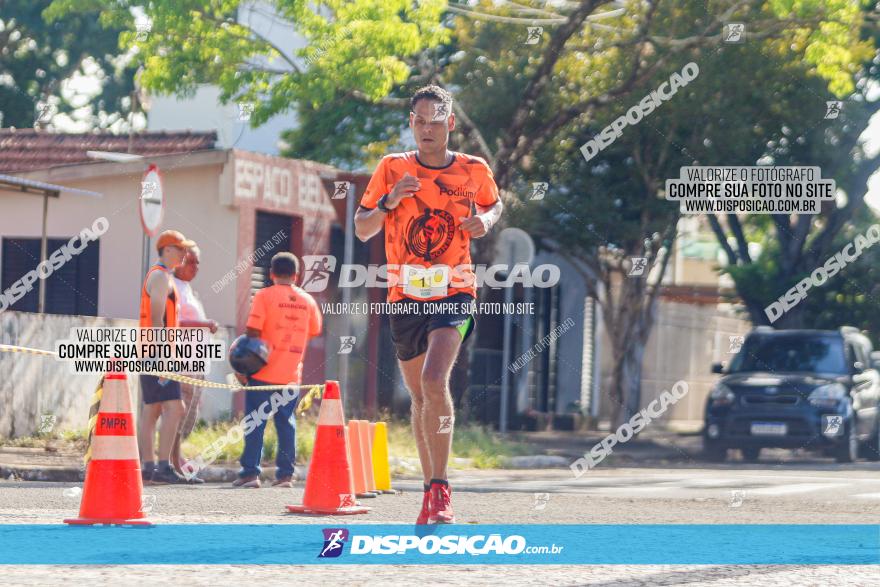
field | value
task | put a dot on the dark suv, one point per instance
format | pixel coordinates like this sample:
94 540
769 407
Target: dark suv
811 389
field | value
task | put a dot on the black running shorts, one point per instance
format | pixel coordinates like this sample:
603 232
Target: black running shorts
412 320
154 392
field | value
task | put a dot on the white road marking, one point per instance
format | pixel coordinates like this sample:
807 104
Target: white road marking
790 489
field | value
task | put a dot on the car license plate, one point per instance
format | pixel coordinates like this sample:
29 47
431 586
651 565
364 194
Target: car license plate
769 429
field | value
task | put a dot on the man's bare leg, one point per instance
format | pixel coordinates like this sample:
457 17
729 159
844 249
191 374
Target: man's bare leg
438 412
186 395
412 377
172 413
147 432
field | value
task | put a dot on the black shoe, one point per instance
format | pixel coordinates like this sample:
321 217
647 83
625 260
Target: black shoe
146 476
167 477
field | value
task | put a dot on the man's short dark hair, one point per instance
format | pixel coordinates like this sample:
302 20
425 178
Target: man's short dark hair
432 92
285 265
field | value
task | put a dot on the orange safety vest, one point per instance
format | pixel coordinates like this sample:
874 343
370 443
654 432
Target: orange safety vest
171 304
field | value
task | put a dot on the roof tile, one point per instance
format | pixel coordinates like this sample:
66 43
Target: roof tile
29 149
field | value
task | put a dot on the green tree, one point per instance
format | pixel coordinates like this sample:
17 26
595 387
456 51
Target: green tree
37 58
789 128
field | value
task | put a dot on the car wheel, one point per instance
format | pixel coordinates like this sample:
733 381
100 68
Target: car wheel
714 454
751 455
848 451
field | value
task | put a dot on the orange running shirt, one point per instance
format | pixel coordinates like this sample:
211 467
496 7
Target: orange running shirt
423 230
172 310
287 317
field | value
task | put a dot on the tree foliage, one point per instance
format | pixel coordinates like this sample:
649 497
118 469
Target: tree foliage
37 57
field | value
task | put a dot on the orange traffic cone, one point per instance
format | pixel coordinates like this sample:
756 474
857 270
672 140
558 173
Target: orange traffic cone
329 486
358 460
363 427
112 490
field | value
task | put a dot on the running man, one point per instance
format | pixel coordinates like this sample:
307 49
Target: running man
160 308
423 200
285 317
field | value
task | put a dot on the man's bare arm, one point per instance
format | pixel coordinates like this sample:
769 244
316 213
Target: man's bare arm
157 287
480 223
492 213
367 223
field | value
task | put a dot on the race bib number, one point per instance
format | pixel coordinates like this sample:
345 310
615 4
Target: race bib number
425 282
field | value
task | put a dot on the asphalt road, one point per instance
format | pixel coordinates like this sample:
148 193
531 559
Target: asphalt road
809 491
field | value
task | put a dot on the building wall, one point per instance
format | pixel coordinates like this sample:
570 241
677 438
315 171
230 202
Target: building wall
685 340
191 206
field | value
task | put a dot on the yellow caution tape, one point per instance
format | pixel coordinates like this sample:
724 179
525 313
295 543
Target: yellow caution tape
8 348
306 402
94 408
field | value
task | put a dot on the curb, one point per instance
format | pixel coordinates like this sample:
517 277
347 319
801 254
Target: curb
212 474
76 475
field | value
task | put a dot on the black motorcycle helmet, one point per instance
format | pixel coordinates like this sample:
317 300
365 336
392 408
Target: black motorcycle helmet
247 355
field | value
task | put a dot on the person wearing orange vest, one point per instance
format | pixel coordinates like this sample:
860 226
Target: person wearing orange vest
160 308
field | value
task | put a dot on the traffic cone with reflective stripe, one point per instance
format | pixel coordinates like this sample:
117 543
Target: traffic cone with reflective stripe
363 428
112 492
358 458
381 466
329 484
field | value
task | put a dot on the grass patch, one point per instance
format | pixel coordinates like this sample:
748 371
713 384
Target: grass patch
206 434
67 439
483 446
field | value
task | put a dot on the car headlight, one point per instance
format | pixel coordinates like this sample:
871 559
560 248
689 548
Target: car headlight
827 396
722 395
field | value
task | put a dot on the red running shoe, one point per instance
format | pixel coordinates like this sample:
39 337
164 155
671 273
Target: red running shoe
441 505
426 509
